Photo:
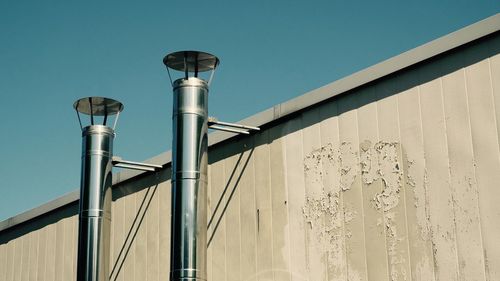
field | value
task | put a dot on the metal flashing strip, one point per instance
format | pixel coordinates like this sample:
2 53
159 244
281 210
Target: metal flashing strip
419 54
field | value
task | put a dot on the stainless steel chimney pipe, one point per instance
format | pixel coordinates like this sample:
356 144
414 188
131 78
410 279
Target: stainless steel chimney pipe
95 190
189 180
95 204
188 257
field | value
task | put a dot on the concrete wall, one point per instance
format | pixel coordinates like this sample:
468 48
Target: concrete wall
394 180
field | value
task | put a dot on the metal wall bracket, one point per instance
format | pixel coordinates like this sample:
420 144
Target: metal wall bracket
120 163
215 124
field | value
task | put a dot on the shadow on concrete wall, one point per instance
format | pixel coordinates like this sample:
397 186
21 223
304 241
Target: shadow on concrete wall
132 232
217 214
220 208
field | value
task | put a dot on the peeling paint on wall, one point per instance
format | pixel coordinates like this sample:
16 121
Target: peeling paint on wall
368 162
323 212
396 260
379 161
390 173
349 166
328 219
420 201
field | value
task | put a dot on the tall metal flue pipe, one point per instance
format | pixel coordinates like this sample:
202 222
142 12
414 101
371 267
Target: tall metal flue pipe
95 189
188 255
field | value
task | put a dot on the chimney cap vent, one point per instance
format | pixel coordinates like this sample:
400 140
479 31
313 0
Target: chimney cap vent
191 61
98 106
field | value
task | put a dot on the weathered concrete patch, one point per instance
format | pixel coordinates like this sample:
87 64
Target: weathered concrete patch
324 213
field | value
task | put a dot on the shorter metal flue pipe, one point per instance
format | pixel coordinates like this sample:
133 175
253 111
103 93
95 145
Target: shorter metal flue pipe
95 204
95 190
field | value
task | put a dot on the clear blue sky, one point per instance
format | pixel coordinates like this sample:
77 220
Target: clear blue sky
54 52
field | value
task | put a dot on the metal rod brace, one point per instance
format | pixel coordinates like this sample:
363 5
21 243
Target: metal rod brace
120 163
215 124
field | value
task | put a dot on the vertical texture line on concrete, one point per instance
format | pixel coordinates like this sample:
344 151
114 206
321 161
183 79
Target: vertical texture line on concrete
321 144
239 216
426 203
342 217
493 99
403 183
256 250
452 191
269 182
361 192
383 213
306 234
224 220
464 73
283 134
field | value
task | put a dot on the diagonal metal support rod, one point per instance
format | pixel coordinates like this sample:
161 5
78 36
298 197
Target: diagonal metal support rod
120 163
